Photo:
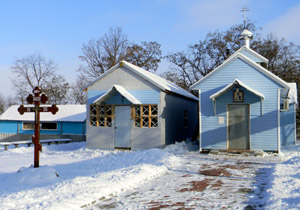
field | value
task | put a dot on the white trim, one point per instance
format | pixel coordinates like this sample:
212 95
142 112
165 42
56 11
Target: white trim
200 121
295 122
229 86
250 62
120 90
250 51
261 107
249 125
227 133
278 119
215 106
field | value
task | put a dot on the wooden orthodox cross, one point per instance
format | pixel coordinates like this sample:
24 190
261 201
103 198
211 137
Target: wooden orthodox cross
37 99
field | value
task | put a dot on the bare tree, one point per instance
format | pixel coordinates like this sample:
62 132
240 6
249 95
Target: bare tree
77 95
283 56
2 103
6 102
35 70
10 101
146 55
101 54
57 89
201 58
32 71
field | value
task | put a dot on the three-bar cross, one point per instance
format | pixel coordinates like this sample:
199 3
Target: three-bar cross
37 99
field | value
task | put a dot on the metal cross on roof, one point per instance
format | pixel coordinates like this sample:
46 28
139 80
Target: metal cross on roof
244 10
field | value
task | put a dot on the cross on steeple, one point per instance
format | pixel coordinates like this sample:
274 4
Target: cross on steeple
244 10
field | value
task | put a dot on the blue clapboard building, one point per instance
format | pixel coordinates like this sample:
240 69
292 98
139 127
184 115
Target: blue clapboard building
243 106
67 123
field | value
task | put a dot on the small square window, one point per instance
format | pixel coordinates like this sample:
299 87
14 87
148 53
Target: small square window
28 125
154 122
109 122
49 126
93 110
101 110
93 121
153 110
137 110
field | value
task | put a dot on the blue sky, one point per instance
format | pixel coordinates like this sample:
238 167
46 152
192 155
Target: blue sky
58 28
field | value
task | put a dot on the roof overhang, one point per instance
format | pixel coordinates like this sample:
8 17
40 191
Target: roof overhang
119 89
229 86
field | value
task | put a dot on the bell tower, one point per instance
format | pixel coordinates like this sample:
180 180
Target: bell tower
246 35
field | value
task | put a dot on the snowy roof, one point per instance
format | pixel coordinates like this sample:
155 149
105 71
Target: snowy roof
250 62
68 113
156 80
235 82
293 93
122 91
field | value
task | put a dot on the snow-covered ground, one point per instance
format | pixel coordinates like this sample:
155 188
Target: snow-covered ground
73 177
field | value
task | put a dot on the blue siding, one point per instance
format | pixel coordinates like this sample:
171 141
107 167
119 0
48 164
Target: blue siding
145 96
288 126
62 128
8 126
253 57
263 129
73 128
92 95
118 99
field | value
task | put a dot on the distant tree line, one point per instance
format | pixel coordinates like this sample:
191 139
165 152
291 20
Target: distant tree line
186 67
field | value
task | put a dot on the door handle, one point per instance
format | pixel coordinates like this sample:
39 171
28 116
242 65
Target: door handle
116 127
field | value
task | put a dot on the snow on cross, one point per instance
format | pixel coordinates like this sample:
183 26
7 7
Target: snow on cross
36 99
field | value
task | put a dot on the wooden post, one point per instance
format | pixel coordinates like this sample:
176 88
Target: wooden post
37 99
36 137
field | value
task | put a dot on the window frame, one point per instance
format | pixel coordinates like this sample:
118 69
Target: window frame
142 115
105 115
